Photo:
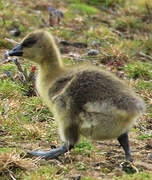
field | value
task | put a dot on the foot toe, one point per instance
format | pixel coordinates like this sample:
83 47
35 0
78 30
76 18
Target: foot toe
43 154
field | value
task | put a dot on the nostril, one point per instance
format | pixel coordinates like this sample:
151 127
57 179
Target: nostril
16 51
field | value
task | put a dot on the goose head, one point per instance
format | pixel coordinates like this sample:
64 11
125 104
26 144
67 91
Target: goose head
37 46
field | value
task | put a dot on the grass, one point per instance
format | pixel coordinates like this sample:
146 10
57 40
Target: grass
139 69
5 44
83 148
145 136
142 84
138 176
9 88
83 9
123 32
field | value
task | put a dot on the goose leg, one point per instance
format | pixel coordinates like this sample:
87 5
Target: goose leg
52 154
124 142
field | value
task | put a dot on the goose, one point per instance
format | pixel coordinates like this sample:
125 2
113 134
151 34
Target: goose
84 99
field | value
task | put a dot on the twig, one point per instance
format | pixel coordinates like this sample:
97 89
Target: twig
20 69
149 11
52 118
12 41
144 55
6 108
11 175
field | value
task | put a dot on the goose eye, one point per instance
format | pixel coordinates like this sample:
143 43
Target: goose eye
29 42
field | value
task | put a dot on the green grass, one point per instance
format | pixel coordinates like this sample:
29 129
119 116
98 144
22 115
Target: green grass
83 148
142 84
5 44
81 166
145 136
139 70
9 88
8 67
99 3
129 23
138 176
88 178
84 9
6 149
148 46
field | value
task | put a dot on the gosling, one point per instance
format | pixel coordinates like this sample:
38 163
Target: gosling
84 99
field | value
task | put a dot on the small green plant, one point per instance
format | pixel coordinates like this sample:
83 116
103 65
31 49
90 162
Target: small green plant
85 145
22 28
83 148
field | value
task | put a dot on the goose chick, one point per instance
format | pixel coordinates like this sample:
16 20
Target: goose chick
84 100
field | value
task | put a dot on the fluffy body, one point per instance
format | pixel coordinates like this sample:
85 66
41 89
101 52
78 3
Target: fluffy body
90 101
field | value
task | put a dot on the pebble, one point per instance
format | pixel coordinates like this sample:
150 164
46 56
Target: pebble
149 156
92 52
15 32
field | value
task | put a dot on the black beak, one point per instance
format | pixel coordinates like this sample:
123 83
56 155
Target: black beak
16 51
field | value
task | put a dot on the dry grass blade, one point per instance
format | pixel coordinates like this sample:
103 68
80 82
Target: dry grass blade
148 10
144 55
12 41
13 160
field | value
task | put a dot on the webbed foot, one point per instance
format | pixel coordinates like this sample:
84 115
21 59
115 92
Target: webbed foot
52 154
